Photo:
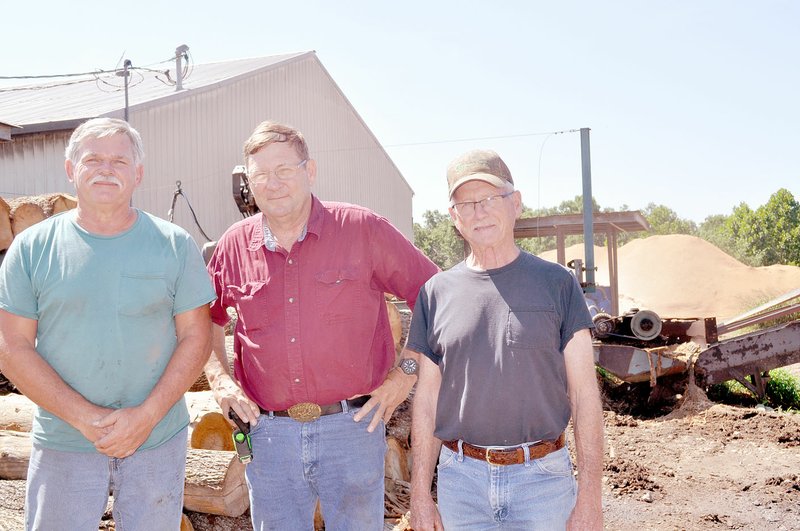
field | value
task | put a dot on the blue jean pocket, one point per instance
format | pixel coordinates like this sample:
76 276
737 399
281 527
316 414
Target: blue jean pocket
446 458
557 463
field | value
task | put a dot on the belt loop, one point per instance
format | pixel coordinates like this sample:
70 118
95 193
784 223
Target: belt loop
526 448
345 406
271 415
460 450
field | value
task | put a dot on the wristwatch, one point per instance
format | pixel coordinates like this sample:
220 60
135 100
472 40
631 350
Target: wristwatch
408 366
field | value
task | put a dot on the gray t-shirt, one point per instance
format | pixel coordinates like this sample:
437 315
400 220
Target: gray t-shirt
498 337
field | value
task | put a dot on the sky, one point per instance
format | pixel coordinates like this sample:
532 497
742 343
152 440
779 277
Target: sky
692 104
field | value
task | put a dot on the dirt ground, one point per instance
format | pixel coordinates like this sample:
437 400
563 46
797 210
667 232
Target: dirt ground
691 465
701 466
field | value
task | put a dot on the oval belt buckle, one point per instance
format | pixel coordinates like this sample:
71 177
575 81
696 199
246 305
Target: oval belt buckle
305 411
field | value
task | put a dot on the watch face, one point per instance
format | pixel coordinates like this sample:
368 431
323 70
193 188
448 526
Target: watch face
408 366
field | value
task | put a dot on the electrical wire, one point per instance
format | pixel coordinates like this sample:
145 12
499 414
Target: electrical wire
171 214
480 138
186 72
43 87
61 75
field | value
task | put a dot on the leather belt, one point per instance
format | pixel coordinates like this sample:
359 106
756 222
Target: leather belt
308 411
507 456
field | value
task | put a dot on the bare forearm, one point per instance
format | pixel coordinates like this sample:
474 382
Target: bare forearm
217 366
588 428
186 364
35 378
227 392
426 453
426 446
587 419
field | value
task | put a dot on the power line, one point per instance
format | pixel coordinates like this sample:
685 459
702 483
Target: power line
42 87
60 75
93 72
480 138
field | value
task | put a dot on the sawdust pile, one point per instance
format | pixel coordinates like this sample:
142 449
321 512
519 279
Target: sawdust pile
685 276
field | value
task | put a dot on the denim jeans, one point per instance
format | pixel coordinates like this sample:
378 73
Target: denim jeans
332 458
69 490
474 495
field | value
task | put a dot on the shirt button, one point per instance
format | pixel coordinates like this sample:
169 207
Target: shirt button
297 380
292 340
291 261
291 299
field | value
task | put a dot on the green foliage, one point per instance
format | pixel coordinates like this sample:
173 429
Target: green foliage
714 229
439 240
664 220
768 235
731 392
783 390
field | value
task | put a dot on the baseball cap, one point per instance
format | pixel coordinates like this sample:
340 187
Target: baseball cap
478 165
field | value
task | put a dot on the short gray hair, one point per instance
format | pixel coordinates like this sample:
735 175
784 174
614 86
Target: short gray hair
102 128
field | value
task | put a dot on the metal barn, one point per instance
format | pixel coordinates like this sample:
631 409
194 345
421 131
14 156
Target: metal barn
193 130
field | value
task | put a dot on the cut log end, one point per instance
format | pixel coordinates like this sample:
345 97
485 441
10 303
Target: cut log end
212 433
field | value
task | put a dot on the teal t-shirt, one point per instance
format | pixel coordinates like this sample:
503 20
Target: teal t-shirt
105 307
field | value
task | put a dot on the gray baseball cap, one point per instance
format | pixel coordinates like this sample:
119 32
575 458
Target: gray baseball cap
478 165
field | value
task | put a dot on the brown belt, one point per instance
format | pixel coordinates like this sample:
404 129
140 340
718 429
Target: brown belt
510 456
308 411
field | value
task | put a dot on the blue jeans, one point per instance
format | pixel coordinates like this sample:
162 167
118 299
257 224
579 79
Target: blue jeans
474 495
69 490
332 458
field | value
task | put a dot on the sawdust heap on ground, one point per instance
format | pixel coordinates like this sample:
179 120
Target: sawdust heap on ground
684 276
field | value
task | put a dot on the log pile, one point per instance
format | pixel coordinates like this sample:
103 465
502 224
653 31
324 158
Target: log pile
215 483
19 213
215 491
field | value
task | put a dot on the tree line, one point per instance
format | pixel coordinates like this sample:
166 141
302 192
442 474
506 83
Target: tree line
768 235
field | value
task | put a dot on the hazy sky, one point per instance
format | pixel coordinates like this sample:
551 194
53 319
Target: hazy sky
692 104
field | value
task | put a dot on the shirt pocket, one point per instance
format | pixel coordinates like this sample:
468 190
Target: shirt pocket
533 327
251 304
338 294
144 295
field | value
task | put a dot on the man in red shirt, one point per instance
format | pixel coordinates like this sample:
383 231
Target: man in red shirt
313 347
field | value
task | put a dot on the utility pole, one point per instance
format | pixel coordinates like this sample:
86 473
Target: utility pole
588 213
125 73
180 53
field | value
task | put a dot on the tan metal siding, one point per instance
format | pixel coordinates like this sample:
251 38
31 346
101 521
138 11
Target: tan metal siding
214 124
34 164
197 139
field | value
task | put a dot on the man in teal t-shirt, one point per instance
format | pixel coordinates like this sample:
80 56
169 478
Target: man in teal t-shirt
104 325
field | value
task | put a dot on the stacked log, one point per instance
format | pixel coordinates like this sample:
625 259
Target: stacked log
19 213
6 235
15 452
212 432
215 483
16 414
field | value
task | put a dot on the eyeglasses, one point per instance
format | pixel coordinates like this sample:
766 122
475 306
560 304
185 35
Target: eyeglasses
283 173
467 208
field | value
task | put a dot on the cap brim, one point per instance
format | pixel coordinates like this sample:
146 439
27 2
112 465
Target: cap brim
494 180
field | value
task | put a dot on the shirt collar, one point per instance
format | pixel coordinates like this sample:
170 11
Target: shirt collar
263 236
269 239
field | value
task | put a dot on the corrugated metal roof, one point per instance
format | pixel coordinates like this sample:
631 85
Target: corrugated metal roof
48 107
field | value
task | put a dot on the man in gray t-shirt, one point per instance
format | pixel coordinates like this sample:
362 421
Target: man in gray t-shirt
506 361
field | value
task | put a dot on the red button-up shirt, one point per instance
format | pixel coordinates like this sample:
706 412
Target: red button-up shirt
312 322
